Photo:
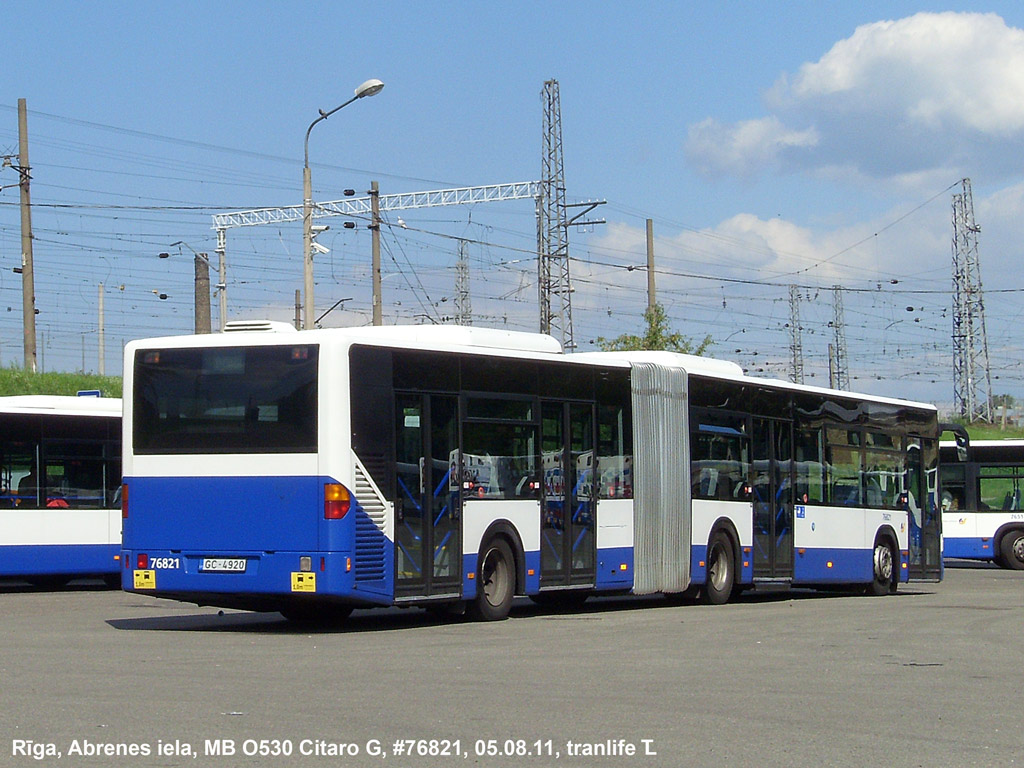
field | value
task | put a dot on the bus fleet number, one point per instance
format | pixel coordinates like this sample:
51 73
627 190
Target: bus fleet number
165 563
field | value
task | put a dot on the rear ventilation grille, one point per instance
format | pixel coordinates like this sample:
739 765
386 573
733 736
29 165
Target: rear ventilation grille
371 541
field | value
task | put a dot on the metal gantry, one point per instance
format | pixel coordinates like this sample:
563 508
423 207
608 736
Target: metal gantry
362 207
970 342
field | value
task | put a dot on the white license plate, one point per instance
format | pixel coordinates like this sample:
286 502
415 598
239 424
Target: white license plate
224 564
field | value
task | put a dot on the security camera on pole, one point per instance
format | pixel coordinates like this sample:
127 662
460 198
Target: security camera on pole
369 88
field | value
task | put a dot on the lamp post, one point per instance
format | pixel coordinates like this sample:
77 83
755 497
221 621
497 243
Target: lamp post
369 88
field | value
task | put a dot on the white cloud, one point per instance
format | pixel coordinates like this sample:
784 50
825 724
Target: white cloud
743 148
895 100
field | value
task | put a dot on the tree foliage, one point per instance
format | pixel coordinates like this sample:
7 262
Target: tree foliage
657 336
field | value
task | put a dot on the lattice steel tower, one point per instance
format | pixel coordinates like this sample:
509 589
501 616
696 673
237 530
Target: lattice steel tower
796 350
838 370
970 342
553 228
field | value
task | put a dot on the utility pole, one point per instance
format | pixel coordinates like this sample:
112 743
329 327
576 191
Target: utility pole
202 293
28 286
101 343
378 315
222 290
298 310
651 300
463 308
222 286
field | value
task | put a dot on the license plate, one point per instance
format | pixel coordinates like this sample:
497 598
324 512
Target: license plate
224 564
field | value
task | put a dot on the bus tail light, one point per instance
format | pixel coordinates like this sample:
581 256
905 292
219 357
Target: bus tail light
124 501
142 561
337 501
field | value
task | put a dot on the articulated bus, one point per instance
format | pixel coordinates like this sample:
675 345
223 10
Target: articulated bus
319 471
60 483
982 511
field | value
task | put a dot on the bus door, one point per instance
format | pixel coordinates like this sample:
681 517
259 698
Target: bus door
427 540
569 502
922 499
772 455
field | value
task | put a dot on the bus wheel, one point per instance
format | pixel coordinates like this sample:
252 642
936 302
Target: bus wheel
496 582
1012 549
883 564
721 570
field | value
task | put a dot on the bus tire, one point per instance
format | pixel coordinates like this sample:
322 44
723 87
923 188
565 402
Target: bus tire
883 568
721 572
1011 547
496 582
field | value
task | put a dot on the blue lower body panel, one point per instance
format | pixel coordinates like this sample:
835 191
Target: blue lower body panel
968 547
614 568
813 566
832 566
278 525
59 560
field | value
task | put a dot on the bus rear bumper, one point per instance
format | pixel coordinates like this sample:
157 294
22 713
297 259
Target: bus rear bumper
237 579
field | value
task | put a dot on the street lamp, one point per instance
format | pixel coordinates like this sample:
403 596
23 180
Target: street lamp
369 88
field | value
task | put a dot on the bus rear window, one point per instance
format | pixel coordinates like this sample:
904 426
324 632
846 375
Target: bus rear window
226 400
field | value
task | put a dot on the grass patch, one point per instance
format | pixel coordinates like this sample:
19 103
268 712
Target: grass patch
17 381
994 432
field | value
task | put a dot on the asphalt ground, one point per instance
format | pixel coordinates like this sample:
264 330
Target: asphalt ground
932 676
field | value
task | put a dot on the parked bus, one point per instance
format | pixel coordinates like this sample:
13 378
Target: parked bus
316 472
60 483
982 511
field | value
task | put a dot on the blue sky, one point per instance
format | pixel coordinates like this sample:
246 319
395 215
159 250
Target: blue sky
811 143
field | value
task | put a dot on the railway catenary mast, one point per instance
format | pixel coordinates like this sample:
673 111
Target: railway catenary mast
970 342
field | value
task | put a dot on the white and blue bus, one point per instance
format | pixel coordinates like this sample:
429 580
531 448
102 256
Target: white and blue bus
319 471
60 483
982 510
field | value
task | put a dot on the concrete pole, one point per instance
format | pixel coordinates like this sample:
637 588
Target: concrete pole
202 293
28 285
222 291
651 300
378 315
102 343
307 246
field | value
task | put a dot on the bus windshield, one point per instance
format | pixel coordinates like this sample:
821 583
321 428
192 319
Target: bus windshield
257 399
